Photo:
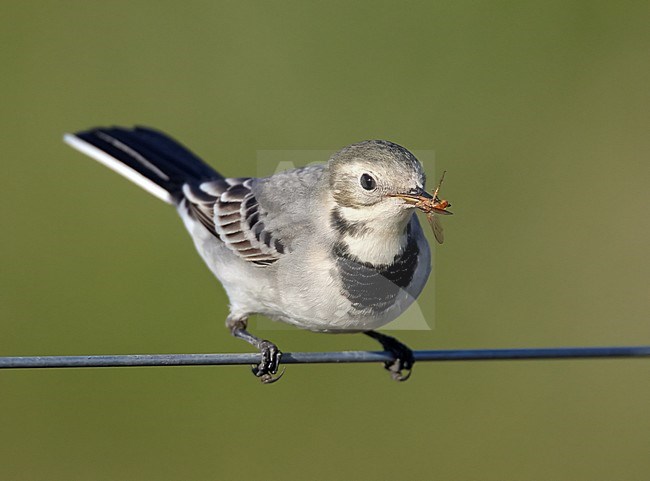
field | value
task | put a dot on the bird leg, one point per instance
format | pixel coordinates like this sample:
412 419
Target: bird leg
270 362
403 356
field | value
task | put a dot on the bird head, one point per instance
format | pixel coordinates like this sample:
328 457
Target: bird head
372 185
368 178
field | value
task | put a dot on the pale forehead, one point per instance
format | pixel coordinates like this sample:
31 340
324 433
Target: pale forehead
382 152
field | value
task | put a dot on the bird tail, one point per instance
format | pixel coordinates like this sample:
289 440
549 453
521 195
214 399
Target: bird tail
149 158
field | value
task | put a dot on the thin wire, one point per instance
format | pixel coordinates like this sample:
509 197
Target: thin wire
135 360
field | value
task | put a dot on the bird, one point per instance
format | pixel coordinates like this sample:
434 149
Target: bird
333 248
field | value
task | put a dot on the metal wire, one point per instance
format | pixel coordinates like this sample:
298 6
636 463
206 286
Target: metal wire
135 360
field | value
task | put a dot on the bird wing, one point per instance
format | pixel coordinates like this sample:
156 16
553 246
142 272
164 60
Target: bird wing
229 210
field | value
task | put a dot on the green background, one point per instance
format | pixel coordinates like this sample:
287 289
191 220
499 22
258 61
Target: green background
539 111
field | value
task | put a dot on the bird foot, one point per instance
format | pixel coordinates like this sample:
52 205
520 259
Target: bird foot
269 364
402 364
403 361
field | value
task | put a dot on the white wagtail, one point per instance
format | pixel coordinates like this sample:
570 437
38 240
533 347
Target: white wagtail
329 248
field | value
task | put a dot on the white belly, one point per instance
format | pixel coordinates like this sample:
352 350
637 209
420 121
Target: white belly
301 288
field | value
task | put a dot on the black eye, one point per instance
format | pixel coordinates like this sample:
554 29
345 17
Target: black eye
368 182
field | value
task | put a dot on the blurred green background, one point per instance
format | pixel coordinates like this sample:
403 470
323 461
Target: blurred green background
539 111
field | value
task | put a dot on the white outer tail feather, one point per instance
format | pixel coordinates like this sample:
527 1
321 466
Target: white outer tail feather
117 166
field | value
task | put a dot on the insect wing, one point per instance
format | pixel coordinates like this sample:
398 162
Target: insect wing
436 226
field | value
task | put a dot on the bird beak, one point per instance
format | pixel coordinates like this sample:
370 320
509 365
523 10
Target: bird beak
419 192
413 196
424 201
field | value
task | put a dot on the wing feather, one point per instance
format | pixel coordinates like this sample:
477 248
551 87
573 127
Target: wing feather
230 211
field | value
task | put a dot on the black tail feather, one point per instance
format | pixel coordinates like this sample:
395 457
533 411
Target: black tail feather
152 154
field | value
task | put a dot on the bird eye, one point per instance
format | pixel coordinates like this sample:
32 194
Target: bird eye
367 182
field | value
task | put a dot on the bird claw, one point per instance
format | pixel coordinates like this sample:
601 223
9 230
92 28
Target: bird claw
403 359
268 377
269 364
396 367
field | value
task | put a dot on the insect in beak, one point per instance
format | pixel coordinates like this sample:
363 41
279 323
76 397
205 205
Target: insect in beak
430 204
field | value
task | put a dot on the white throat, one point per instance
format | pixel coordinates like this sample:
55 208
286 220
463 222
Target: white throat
381 233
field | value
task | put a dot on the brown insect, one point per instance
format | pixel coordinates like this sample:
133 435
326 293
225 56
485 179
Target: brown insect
431 205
